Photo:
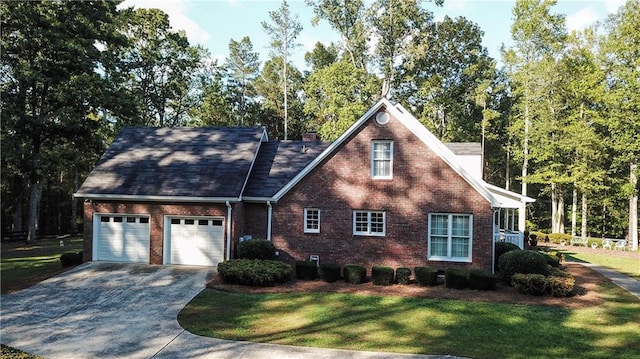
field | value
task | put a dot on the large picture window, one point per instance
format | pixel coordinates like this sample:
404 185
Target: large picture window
369 223
450 237
382 159
311 220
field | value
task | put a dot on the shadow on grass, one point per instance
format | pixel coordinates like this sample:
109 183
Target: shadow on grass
416 325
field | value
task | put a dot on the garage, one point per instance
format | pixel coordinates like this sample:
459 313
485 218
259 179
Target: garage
194 241
122 238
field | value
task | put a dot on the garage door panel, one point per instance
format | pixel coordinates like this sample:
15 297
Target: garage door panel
196 241
123 239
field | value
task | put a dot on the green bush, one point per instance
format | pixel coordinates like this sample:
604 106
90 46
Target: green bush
254 272
256 248
426 276
481 280
534 284
521 261
557 272
329 272
354 274
381 275
306 270
553 261
455 278
560 286
502 248
7 352
70 259
403 275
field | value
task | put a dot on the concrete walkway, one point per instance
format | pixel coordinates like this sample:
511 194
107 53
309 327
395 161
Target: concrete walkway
108 310
622 280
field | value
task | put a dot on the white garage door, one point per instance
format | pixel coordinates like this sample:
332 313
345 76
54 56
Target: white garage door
195 241
122 238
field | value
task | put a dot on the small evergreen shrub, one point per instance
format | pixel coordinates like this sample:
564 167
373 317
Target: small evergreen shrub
426 276
534 284
70 259
354 274
455 278
560 286
553 261
521 261
256 248
329 272
481 280
381 275
557 272
254 272
403 275
502 248
306 270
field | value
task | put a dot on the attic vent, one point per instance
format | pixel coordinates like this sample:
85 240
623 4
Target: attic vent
382 118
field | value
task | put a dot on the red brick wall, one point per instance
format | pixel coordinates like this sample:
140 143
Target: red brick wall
156 212
422 183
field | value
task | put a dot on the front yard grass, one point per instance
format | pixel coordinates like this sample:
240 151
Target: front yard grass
22 264
629 264
420 325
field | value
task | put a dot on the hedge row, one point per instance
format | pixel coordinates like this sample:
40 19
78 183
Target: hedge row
254 272
538 284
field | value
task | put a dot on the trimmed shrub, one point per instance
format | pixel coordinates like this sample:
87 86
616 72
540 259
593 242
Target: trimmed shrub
521 261
306 270
256 248
403 275
560 286
557 272
381 275
455 278
354 274
426 276
553 261
70 259
329 272
481 280
502 248
254 272
534 284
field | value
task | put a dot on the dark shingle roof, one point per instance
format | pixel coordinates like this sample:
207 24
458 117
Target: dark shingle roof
278 163
465 148
187 162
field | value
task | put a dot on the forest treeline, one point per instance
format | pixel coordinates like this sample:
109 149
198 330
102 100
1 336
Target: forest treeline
557 115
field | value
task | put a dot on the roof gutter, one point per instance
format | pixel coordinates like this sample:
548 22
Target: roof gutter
145 198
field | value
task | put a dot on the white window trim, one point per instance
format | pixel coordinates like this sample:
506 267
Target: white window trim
448 257
368 232
373 175
305 214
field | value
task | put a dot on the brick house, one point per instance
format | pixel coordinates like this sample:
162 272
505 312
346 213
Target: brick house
386 192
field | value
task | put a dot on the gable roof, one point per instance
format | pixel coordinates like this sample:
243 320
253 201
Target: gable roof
428 138
179 164
277 163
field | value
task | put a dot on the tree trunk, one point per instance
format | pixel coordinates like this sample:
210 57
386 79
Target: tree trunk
525 149
574 211
583 232
557 209
34 208
74 203
633 207
560 212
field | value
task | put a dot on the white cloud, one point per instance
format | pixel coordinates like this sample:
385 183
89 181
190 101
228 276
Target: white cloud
612 6
178 18
581 19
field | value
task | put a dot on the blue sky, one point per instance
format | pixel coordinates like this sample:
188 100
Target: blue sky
211 23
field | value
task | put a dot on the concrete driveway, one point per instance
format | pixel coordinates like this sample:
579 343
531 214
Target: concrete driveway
109 310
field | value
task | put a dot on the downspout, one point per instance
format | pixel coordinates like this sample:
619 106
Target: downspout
493 240
269 212
228 230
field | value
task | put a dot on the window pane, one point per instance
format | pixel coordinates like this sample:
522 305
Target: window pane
460 226
312 219
377 222
459 247
439 225
438 246
362 222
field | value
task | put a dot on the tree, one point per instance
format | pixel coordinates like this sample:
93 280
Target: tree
621 53
347 17
243 65
50 90
321 56
283 31
215 102
337 95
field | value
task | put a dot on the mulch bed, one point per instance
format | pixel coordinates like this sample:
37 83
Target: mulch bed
586 294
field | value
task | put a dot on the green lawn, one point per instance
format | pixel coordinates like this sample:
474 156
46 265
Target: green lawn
418 325
629 265
22 264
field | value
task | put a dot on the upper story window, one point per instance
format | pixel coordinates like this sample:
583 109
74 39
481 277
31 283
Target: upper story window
450 237
369 223
311 220
382 159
